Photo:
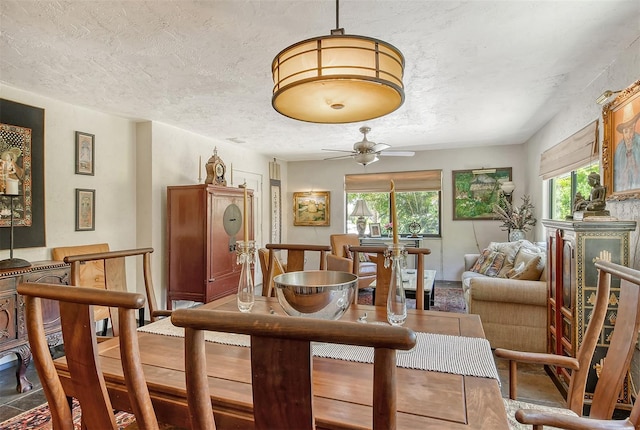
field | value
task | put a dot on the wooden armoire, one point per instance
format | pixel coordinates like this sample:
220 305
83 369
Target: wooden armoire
572 284
204 222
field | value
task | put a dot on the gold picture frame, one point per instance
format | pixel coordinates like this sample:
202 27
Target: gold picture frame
621 120
311 208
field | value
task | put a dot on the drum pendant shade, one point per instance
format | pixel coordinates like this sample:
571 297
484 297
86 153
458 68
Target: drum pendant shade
338 79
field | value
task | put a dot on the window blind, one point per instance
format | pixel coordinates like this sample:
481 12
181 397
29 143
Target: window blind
572 153
420 180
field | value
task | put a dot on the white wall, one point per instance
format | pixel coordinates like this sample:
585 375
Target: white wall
458 237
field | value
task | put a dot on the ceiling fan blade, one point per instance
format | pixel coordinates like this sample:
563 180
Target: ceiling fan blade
398 153
339 156
380 147
338 150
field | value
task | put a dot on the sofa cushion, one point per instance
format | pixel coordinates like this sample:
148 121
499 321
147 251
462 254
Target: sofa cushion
531 271
489 263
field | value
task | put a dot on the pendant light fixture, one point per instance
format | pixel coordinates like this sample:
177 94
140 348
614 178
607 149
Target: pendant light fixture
338 79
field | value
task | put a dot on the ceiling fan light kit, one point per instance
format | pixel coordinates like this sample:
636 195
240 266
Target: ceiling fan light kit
338 79
366 152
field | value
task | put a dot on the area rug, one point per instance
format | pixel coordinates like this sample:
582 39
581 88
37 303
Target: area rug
40 419
449 298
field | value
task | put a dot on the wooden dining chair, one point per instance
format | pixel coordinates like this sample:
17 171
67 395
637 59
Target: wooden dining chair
278 269
80 344
92 265
282 364
296 256
383 274
612 373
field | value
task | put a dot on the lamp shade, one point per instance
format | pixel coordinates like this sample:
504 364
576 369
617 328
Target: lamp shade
338 79
508 187
361 209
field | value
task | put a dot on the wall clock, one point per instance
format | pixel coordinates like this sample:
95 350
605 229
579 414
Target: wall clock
232 219
216 170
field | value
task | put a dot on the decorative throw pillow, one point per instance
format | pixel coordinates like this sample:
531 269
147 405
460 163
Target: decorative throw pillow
514 271
363 257
531 271
509 249
489 263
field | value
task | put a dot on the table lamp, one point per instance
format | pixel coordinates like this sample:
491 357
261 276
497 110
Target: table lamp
12 263
361 210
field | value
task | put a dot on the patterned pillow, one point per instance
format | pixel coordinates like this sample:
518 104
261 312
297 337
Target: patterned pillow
489 263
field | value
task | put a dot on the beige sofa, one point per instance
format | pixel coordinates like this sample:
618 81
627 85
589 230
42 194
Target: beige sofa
513 311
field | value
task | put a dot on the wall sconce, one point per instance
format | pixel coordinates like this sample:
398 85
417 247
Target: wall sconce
507 188
605 96
361 210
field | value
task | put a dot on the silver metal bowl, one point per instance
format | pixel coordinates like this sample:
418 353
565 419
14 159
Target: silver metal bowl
323 294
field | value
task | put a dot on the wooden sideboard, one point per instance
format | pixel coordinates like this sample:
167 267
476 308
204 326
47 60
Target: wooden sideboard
204 222
13 332
572 284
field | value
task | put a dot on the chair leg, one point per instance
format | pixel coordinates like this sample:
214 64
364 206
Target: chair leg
140 317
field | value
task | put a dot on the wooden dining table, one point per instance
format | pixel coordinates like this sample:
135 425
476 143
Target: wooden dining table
342 389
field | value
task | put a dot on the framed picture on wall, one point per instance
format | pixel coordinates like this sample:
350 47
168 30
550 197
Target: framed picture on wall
85 209
621 145
85 145
22 145
476 191
311 208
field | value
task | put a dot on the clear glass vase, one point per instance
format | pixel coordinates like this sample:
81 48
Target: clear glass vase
396 298
246 251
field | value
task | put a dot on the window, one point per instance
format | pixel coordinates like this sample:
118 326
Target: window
563 189
418 200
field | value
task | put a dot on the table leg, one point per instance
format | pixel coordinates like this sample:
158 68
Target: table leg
24 359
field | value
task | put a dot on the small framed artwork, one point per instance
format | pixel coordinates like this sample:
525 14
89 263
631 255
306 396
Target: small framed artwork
85 145
476 191
374 229
85 209
621 145
311 208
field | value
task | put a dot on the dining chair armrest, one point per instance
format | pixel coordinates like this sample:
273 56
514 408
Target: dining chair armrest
532 358
535 417
162 313
538 358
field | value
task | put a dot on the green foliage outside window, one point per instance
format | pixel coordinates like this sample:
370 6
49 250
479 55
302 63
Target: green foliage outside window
422 207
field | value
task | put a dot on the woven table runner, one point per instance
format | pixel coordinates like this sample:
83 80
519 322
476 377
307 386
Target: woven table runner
470 356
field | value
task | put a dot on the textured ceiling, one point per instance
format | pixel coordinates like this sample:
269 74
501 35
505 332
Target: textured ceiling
204 66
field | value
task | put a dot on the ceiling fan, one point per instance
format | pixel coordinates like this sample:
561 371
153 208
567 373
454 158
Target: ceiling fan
366 152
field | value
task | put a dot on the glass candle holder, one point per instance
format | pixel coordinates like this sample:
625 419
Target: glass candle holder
246 251
396 298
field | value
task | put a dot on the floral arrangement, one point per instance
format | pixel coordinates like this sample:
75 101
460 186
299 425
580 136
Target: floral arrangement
388 226
515 217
